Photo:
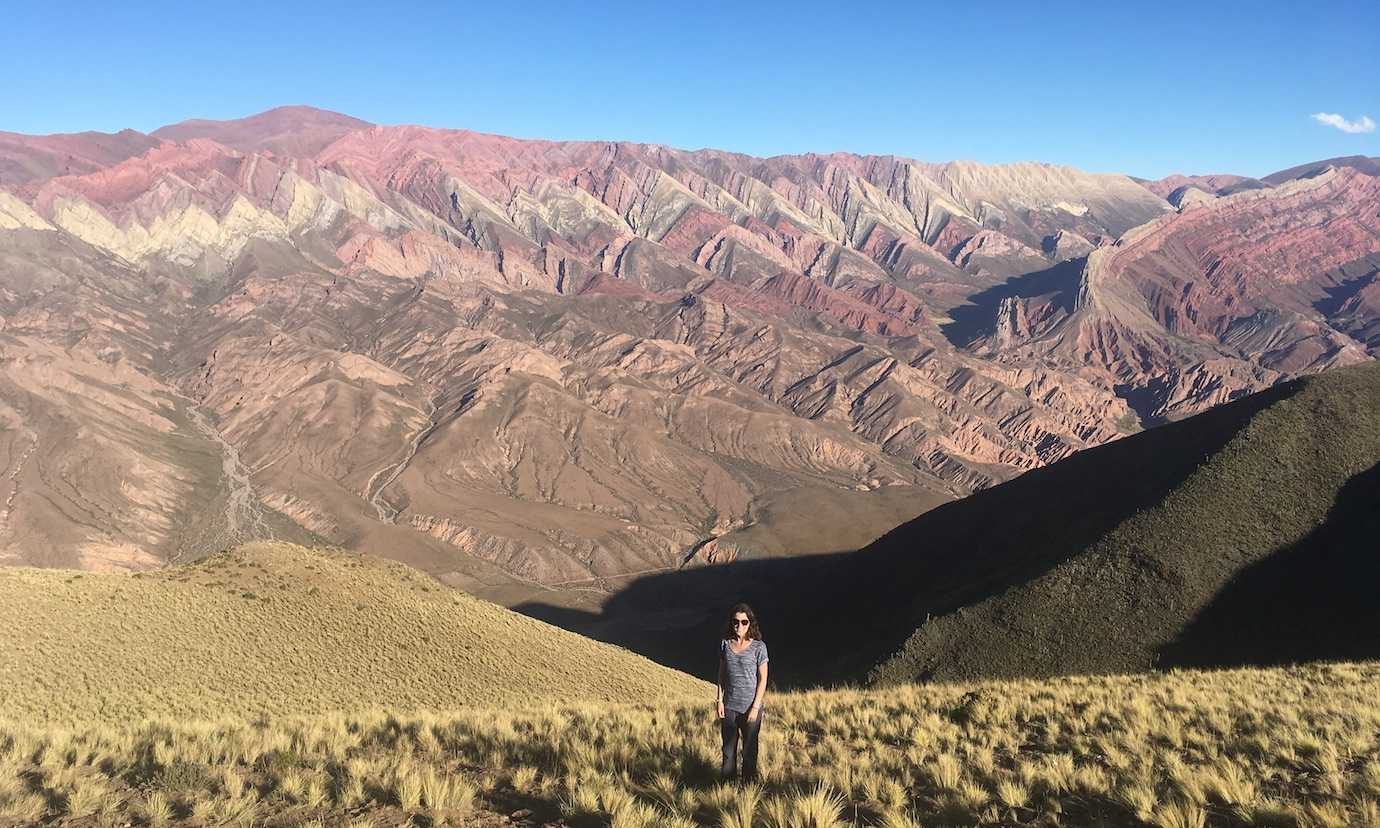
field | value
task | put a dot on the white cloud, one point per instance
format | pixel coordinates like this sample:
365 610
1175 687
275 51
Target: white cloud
1363 125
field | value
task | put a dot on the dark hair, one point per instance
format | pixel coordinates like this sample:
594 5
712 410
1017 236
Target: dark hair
754 631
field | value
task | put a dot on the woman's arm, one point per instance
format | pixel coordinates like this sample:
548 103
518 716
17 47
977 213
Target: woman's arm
761 691
723 679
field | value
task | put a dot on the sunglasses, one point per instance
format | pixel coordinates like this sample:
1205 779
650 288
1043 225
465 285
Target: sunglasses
741 622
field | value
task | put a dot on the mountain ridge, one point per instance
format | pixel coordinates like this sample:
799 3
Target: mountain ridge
516 363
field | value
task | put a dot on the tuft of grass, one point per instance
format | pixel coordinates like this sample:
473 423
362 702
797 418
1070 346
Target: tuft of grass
1179 815
741 810
407 787
204 811
945 772
1012 794
818 808
900 820
580 801
1230 784
156 809
524 777
87 795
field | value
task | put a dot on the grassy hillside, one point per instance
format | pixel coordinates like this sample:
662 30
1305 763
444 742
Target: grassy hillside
275 628
1260 551
1291 747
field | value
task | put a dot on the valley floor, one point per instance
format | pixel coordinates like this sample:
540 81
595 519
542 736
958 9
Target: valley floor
1294 746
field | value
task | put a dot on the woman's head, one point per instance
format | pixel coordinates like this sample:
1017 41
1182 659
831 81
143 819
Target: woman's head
741 615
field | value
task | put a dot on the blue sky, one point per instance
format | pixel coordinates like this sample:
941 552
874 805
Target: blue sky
1145 89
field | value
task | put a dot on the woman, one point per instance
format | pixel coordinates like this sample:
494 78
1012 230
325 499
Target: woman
742 684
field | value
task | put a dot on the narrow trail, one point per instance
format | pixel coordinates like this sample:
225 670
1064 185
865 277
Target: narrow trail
569 586
244 517
614 576
13 477
387 513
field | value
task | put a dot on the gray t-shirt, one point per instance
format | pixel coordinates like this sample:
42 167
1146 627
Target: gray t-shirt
740 687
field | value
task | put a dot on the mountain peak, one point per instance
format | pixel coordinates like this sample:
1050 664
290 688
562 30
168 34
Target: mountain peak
1366 164
284 130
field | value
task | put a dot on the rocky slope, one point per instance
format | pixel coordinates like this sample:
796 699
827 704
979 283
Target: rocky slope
1222 298
527 362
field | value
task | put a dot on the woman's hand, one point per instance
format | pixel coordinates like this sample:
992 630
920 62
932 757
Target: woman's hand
720 707
752 713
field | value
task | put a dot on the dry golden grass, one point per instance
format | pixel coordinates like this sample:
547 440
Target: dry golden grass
278 686
279 629
1282 747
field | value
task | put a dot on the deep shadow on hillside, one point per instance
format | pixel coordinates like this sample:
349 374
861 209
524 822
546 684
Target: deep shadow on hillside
831 618
1193 577
1315 599
976 317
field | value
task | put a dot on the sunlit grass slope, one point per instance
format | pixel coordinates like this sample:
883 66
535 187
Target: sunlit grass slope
1279 747
280 629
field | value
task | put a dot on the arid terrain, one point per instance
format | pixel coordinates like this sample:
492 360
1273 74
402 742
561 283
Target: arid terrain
401 405
541 369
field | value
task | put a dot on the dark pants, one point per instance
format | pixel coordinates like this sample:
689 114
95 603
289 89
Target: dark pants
731 726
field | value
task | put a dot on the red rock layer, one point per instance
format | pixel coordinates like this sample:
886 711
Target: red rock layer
513 361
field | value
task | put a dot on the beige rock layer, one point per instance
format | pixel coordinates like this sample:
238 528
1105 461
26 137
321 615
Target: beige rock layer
522 362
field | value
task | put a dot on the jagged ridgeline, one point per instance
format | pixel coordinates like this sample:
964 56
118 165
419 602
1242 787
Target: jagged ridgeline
285 630
520 364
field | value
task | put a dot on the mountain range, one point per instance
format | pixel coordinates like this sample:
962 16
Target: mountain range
528 365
